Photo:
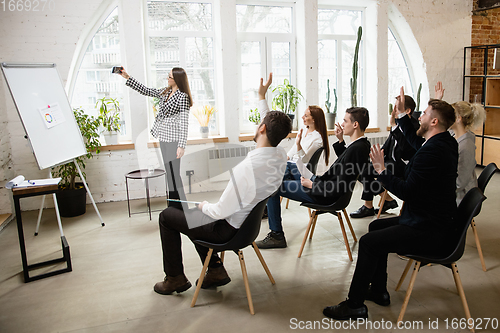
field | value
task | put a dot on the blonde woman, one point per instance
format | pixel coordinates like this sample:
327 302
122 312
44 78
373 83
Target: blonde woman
469 116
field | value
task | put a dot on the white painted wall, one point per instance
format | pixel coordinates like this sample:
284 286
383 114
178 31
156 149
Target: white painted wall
439 30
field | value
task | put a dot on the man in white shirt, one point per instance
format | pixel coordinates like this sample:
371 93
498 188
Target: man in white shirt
253 180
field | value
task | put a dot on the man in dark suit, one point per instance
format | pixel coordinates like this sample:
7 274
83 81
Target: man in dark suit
327 188
397 153
426 222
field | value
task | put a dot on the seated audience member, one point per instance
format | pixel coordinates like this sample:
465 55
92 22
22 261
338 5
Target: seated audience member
254 179
426 222
330 186
397 153
313 136
469 116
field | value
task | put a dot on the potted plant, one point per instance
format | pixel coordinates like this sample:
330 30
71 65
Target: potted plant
109 117
354 78
71 197
330 115
254 117
204 114
287 98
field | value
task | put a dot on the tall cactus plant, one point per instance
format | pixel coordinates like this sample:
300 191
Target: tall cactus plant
417 108
354 79
328 104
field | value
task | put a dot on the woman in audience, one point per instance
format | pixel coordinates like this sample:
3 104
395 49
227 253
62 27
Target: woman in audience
469 116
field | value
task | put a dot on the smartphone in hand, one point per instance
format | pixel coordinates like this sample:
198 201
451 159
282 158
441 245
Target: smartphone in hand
117 70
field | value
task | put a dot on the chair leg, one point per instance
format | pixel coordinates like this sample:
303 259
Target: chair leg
381 203
349 225
263 262
313 227
460 289
287 202
202 277
346 241
309 211
408 292
281 199
222 256
245 279
311 219
478 244
403 276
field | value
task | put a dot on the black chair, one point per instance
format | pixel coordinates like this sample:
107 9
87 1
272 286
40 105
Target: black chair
311 166
245 236
335 209
468 208
482 181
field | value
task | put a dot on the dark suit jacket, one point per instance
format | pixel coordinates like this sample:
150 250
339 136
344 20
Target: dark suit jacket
402 149
343 173
429 183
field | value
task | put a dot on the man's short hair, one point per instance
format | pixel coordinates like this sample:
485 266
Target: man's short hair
359 114
444 112
409 103
278 126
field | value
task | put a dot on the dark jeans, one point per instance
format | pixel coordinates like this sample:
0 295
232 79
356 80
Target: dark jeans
173 222
388 236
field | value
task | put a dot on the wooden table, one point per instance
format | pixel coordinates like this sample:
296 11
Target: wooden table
25 192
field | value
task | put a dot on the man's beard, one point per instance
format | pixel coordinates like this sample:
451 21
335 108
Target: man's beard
422 129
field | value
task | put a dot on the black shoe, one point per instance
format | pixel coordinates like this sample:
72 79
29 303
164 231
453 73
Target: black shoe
362 212
343 312
273 240
387 205
383 299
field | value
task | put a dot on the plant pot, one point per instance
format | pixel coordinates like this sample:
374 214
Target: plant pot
72 202
111 138
330 120
204 131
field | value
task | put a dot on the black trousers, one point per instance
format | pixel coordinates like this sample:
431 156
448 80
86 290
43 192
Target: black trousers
174 221
388 236
371 186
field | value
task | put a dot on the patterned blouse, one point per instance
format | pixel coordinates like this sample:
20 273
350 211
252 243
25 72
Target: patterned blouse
171 122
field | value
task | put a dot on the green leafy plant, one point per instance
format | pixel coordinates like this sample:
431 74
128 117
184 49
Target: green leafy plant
109 113
354 79
254 116
287 97
89 127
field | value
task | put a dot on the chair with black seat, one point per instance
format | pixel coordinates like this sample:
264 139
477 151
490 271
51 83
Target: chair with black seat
336 208
245 236
468 208
482 181
311 166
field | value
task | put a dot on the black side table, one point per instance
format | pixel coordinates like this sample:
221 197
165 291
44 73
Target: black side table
146 175
25 192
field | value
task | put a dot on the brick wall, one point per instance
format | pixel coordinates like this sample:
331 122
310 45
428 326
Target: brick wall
485 31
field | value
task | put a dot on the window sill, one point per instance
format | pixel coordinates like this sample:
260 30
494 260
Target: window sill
249 137
119 146
195 141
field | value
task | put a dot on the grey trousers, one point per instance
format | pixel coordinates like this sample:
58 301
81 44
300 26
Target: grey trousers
173 169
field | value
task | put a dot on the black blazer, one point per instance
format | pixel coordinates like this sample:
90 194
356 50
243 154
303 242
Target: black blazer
402 149
429 183
343 173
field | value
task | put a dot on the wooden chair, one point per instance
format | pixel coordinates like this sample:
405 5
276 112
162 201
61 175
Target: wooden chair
482 181
245 236
336 208
468 208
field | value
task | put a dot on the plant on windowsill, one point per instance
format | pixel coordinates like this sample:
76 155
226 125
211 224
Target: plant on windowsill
71 196
204 114
109 118
354 78
330 115
286 98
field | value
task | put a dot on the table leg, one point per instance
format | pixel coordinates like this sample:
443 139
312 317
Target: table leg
128 199
147 196
21 239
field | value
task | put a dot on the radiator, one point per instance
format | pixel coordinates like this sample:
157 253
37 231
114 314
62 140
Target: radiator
221 160
380 139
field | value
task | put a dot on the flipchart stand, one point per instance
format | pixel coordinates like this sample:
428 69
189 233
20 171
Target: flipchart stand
57 208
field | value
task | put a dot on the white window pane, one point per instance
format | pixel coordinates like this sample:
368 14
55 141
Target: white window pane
263 19
327 54
281 66
94 79
250 73
179 16
398 70
339 22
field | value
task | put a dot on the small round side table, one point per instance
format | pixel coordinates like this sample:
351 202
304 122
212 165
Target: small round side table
146 175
